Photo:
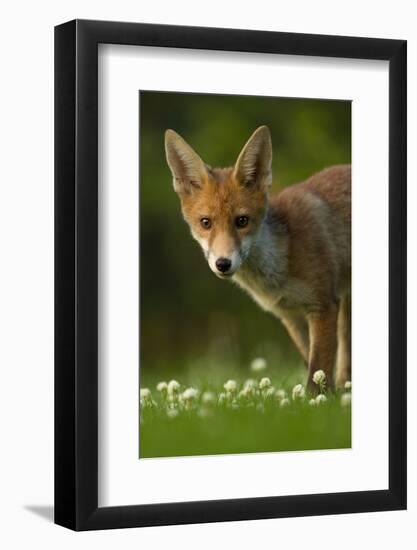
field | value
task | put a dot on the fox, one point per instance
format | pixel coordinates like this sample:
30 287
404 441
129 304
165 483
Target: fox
290 250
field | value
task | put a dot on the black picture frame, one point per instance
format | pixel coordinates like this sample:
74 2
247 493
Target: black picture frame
76 272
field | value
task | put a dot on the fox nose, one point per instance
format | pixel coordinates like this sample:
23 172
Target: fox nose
223 264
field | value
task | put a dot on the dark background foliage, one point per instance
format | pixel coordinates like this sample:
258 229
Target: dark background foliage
188 316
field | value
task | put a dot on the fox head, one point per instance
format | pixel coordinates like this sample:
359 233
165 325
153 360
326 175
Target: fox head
224 207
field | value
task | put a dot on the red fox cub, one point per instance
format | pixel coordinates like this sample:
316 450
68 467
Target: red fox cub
290 251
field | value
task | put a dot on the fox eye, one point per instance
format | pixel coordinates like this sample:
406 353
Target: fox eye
205 223
242 221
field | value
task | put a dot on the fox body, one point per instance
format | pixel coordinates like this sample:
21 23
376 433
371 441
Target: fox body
290 251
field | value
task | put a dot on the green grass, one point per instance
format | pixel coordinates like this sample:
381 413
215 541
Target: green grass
255 423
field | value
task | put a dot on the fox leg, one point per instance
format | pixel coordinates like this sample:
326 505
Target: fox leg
297 328
323 345
343 361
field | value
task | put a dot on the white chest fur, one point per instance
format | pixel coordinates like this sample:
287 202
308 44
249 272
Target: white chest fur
264 275
263 272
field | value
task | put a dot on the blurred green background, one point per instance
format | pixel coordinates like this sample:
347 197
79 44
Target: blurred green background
190 320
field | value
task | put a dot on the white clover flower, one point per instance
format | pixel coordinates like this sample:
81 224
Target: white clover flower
172 413
190 394
280 394
298 392
188 398
222 399
258 364
250 384
346 400
208 398
172 398
145 394
245 393
162 387
348 385
250 388
146 398
230 386
319 377
313 403
284 403
269 393
321 399
173 387
265 383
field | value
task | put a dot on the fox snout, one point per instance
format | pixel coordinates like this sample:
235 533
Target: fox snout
224 265
223 251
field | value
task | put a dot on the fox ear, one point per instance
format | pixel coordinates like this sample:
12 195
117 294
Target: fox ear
253 166
188 170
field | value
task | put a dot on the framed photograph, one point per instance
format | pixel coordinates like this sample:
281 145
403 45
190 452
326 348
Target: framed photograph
230 255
